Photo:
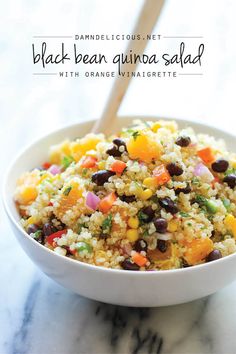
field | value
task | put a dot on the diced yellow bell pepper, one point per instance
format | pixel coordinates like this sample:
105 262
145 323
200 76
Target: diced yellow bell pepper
230 223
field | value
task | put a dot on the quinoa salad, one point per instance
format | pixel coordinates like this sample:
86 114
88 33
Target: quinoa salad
150 197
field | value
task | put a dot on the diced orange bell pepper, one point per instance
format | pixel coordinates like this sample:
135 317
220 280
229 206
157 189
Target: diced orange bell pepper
88 162
161 174
118 166
206 155
107 202
197 250
139 259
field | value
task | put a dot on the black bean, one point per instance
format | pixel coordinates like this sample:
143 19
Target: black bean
147 214
174 170
140 245
160 225
128 198
185 190
230 180
32 228
168 205
114 151
119 142
162 245
101 177
213 256
128 265
103 236
183 141
220 165
48 229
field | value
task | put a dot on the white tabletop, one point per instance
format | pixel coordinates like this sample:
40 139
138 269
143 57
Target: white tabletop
37 315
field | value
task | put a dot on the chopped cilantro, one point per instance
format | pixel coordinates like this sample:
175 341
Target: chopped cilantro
142 216
67 190
80 226
146 233
66 161
107 223
200 199
135 134
183 214
83 247
84 172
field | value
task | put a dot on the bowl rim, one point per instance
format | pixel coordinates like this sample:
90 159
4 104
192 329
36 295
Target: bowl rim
151 273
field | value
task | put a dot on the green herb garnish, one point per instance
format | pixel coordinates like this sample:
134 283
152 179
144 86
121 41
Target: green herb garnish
67 190
135 134
142 217
107 223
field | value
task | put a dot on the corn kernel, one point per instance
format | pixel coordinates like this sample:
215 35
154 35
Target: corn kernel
102 165
155 127
150 182
146 194
133 222
172 226
132 235
230 223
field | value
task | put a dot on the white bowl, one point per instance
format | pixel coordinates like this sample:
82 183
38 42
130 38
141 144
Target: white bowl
121 287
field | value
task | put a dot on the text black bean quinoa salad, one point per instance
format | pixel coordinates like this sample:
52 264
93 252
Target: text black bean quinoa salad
152 197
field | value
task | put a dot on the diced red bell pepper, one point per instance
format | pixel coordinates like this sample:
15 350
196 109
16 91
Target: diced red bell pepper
89 162
46 165
58 234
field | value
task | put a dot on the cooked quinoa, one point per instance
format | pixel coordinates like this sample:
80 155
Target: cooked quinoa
151 197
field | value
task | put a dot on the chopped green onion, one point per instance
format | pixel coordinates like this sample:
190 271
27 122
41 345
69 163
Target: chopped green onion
211 206
227 204
37 234
66 161
183 214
